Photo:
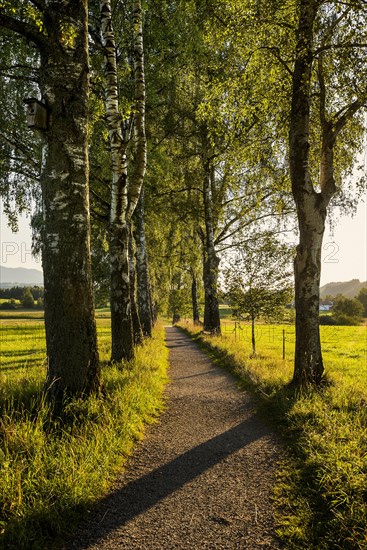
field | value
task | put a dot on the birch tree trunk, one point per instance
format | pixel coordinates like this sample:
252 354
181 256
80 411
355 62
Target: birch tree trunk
73 363
140 163
211 263
311 210
124 197
143 291
121 321
311 204
194 298
137 329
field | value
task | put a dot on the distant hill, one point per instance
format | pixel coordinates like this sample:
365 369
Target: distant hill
12 276
349 289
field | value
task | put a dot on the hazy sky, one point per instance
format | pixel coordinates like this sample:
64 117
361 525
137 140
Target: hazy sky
344 254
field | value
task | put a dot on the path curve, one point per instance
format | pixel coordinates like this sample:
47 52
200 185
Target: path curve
203 476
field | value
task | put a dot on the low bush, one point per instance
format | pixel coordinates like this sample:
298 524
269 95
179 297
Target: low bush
343 319
8 306
327 320
339 319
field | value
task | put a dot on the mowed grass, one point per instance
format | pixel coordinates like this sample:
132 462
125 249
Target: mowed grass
321 493
51 471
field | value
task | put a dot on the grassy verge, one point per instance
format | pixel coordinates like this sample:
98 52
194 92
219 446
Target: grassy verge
51 472
321 493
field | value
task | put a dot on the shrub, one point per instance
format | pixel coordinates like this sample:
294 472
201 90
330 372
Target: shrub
27 299
39 304
327 320
362 298
8 305
348 307
346 320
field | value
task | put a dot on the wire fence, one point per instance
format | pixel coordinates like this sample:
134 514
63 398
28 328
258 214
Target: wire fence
22 332
282 338
16 337
20 340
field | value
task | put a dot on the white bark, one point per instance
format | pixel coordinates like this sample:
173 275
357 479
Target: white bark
137 179
114 121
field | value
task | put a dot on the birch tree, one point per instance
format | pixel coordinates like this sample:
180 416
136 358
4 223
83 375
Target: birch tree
59 31
323 32
125 190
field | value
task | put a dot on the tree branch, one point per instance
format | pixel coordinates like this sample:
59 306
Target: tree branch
25 29
321 77
339 46
14 142
275 50
329 30
100 199
348 113
238 216
246 224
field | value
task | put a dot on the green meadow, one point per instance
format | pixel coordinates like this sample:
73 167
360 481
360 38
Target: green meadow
51 471
321 491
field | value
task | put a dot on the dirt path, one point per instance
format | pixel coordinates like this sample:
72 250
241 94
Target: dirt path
202 477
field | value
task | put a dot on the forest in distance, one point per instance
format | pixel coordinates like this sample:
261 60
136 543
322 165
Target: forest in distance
167 150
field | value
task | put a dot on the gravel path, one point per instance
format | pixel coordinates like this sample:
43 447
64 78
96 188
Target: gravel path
202 477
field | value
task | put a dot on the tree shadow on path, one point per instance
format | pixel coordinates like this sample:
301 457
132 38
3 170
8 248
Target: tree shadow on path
136 497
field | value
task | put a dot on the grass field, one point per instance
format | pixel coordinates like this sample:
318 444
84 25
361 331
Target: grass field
321 490
52 470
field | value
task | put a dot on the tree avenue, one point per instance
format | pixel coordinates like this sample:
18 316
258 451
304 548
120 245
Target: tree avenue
253 116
